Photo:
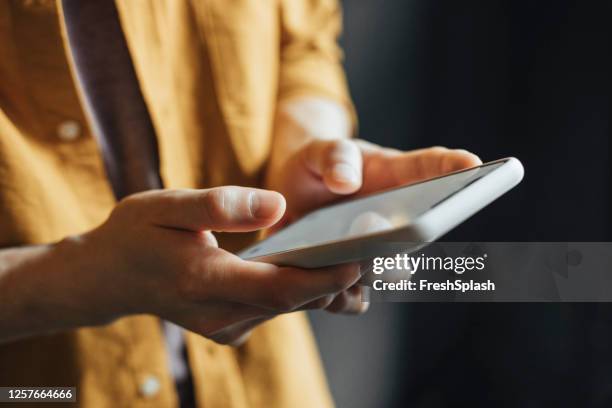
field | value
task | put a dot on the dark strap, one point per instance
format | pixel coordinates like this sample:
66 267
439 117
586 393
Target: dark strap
120 120
113 99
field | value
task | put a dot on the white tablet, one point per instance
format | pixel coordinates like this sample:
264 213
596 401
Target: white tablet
414 214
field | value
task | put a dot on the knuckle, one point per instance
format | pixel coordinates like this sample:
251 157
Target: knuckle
132 208
127 203
324 302
438 149
359 308
470 155
344 145
340 282
363 308
338 304
347 303
447 164
141 206
215 203
342 149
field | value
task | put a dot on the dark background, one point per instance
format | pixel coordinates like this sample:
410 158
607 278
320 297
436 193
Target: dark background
529 79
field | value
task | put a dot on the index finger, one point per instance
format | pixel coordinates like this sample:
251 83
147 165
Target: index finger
392 168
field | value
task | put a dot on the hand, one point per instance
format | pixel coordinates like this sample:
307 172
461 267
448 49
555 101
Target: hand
156 254
323 171
313 163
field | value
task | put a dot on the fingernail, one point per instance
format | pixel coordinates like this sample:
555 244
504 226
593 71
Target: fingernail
264 204
346 174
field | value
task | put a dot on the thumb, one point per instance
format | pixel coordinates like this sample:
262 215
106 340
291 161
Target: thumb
338 162
226 209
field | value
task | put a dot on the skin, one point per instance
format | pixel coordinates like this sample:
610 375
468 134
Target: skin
157 254
314 163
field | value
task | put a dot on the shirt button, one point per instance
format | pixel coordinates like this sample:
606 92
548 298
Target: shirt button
68 130
149 386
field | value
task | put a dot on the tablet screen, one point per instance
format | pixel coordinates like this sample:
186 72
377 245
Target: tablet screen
388 210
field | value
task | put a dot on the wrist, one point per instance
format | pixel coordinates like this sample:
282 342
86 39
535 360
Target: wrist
46 288
316 118
99 291
76 260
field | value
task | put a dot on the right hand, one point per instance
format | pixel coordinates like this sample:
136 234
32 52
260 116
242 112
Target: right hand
156 254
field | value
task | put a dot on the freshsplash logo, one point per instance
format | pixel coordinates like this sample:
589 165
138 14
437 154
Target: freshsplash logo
414 264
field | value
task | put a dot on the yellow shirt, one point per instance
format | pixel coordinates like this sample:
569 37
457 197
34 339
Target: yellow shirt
211 73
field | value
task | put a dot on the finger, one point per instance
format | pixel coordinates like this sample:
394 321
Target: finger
288 289
268 286
349 302
431 162
391 168
337 162
229 209
459 159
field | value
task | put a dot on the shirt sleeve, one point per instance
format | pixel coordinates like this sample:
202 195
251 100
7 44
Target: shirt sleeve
311 59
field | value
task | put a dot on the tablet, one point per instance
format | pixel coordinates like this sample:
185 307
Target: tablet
414 215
